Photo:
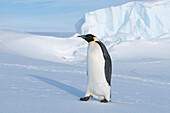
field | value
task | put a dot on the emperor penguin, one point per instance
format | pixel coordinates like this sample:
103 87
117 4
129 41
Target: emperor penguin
99 70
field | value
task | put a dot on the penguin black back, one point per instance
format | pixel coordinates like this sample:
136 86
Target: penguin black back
108 63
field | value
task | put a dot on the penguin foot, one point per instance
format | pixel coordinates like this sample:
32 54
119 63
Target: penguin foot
85 98
104 101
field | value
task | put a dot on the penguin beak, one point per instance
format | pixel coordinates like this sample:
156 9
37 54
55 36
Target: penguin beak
82 36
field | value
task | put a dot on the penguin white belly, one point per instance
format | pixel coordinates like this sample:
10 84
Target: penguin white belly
97 85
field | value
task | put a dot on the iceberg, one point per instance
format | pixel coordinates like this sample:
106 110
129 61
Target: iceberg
133 20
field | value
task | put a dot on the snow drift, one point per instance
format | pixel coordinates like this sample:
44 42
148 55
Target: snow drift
41 47
134 20
73 49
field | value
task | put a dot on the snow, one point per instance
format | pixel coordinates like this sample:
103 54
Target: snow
73 49
155 48
47 74
32 85
43 47
135 19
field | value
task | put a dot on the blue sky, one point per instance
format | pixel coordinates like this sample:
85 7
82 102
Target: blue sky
48 15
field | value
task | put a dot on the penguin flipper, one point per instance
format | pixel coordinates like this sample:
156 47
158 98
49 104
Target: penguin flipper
108 62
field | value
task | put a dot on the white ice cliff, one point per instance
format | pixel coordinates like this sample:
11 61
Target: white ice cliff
131 20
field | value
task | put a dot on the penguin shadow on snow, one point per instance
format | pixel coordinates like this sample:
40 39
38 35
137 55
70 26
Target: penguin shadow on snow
76 92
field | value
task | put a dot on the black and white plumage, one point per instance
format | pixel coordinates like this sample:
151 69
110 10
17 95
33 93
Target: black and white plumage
99 70
108 62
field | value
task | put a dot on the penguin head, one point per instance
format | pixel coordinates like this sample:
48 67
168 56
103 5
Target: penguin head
88 37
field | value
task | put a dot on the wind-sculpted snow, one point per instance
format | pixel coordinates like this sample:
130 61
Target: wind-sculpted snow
42 47
73 49
130 21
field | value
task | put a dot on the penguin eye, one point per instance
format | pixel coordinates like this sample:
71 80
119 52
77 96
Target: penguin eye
94 38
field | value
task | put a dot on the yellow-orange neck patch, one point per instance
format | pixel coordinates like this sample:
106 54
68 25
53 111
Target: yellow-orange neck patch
94 38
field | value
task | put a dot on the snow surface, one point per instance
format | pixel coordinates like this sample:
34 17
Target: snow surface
36 86
74 49
46 74
41 47
135 19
